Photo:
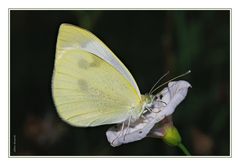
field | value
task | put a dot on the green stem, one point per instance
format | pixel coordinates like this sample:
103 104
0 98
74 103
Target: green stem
184 149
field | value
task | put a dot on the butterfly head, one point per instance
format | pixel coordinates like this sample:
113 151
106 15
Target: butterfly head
153 102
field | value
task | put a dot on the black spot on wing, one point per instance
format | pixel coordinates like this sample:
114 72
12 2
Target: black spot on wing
83 85
95 63
83 64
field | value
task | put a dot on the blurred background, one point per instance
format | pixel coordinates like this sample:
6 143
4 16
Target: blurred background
149 43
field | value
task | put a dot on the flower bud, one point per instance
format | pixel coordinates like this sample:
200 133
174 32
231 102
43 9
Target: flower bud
171 135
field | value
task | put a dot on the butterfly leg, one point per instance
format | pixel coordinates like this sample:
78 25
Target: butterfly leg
143 117
150 110
119 134
129 120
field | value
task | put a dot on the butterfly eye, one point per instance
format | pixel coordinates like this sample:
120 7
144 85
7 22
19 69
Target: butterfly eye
161 96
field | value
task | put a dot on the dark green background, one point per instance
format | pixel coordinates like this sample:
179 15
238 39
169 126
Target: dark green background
149 43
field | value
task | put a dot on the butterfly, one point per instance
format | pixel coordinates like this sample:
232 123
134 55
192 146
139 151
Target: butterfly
90 85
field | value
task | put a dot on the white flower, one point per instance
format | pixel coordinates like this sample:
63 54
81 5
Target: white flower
164 104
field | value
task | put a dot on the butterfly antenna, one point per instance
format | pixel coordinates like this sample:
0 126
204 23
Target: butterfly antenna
150 92
189 71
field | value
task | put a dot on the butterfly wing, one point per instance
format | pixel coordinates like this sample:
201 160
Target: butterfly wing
72 37
87 90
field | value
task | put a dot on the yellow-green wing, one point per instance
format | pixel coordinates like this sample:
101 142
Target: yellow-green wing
73 37
88 91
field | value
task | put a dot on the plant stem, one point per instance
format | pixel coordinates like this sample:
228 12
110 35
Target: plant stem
184 149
